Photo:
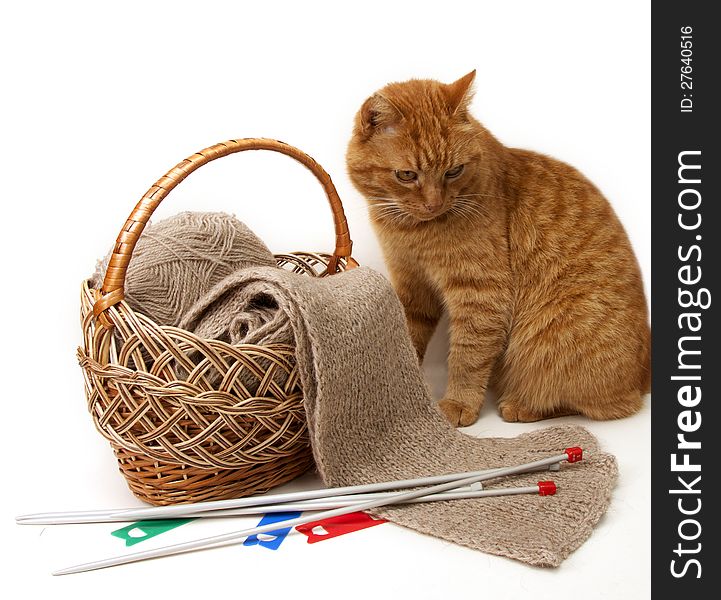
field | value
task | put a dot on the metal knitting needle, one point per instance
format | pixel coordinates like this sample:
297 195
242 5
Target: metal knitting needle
316 504
186 510
164 512
50 518
571 455
312 504
542 488
112 516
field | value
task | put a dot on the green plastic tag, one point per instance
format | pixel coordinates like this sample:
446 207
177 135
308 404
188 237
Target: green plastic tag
145 530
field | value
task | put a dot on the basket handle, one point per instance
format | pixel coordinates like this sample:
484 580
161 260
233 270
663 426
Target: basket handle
112 290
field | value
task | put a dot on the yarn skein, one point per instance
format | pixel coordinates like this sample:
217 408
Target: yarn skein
179 259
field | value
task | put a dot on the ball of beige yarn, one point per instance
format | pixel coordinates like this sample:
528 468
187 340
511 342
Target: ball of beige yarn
179 259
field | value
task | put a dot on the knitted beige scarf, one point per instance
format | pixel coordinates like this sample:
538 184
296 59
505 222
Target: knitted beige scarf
371 417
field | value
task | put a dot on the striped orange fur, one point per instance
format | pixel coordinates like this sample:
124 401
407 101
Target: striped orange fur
542 288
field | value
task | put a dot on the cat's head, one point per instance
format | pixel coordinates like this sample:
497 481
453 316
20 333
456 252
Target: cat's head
416 153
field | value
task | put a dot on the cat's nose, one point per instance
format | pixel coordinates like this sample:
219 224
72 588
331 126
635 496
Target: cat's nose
432 205
433 201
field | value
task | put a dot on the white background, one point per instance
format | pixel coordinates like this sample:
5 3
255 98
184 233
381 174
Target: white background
101 99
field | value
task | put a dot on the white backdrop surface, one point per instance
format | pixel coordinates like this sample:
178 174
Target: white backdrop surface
101 99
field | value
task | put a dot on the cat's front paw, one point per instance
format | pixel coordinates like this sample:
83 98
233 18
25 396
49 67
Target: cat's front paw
458 413
512 413
508 412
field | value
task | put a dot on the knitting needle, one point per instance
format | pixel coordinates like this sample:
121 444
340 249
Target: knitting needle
163 512
309 505
571 455
185 510
542 488
112 516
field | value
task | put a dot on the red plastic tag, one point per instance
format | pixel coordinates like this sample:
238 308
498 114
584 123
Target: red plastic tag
325 529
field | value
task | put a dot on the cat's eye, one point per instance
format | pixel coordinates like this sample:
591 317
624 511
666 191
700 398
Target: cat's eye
406 176
454 172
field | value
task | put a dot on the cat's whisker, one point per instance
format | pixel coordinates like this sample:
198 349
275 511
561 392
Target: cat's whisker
466 208
468 201
381 210
482 195
382 204
461 211
474 211
384 207
382 198
384 210
391 212
404 217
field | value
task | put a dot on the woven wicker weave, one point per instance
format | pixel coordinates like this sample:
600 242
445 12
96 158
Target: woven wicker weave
192 419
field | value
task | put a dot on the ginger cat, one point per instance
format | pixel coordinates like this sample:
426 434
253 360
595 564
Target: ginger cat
543 291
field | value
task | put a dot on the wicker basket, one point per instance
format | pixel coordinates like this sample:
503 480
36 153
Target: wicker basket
180 435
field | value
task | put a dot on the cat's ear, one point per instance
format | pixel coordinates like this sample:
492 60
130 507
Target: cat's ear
459 93
377 113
